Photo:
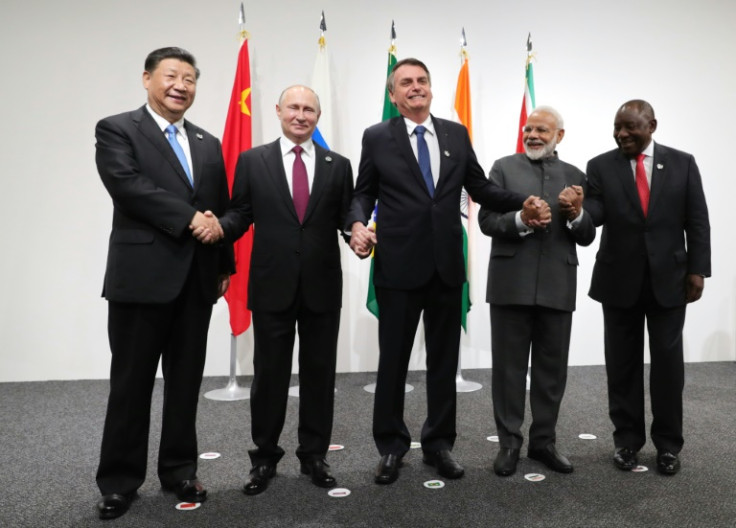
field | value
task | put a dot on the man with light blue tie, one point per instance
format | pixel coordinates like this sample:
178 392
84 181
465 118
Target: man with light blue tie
166 178
416 166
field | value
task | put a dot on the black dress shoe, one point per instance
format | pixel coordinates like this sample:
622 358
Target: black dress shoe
446 465
388 469
667 463
189 491
625 459
505 463
549 456
259 477
113 505
317 469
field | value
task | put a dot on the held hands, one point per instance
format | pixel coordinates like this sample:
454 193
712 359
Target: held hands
535 213
571 201
362 239
206 227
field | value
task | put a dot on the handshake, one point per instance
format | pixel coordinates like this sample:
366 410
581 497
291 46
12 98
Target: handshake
206 228
535 212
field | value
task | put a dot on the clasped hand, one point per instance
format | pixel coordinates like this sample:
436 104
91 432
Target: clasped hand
362 239
535 212
206 227
571 201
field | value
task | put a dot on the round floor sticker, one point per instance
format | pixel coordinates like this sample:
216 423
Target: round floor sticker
209 456
640 469
434 484
339 492
493 438
336 447
415 445
586 436
534 477
186 506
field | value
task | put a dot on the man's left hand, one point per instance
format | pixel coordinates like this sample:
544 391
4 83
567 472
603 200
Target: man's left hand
571 201
694 287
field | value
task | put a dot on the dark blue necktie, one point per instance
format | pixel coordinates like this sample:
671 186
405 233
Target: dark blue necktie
171 134
423 157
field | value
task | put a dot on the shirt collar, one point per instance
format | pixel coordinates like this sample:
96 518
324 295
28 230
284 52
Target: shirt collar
649 151
411 125
163 123
287 145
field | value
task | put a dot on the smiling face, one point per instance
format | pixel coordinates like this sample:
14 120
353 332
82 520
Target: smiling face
541 135
412 92
633 128
298 111
171 88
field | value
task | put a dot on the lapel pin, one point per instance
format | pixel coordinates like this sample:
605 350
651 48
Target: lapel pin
199 136
447 153
660 166
328 159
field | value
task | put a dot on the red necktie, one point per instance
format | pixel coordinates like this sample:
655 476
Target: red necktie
641 183
299 183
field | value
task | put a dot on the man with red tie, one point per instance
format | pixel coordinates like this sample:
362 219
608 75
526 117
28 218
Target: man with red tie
296 195
653 257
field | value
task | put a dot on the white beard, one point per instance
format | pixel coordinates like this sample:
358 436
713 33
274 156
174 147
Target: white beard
544 152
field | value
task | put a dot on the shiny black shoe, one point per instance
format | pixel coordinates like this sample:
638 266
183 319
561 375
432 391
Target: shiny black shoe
505 463
259 477
317 469
549 456
667 463
625 459
444 462
114 505
388 469
189 491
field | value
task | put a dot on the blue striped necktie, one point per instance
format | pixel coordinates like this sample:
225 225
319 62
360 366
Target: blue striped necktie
171 134
423 157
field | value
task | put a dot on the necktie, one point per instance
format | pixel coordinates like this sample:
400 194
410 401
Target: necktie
171 134
641 183
423 158
299 183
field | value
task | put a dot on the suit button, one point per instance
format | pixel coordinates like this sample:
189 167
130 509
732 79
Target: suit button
298 252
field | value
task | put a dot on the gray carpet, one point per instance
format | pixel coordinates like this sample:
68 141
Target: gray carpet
50 441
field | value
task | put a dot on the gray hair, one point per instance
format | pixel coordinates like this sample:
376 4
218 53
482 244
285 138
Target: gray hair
559 122
281 97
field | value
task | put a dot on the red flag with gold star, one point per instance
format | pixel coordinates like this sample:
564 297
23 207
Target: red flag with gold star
237 138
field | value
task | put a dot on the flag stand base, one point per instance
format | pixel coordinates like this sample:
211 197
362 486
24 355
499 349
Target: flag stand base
232 392
371 387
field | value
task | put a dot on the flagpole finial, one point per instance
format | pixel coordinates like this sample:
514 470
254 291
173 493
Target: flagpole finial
463 47
392 48
529 43
241 22
322 29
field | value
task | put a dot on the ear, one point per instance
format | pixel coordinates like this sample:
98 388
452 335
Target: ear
560 134
146 79
652 125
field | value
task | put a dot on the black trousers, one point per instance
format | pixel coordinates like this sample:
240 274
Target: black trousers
399 317
515 332
624 351
274 335
140 335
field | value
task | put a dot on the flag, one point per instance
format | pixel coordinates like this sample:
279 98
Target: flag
527 103
464 114
322 87
389 111
237 138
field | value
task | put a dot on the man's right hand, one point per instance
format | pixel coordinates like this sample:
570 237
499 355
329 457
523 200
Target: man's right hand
535 212
362 239
206 227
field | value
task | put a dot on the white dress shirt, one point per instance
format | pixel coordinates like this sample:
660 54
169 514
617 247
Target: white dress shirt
181 135
288 156
430 136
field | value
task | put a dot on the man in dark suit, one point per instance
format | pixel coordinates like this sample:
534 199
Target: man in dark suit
160 282
296 195
653 257
532 283
416 166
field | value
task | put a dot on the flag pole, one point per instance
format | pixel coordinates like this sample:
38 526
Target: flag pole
461 384
232 391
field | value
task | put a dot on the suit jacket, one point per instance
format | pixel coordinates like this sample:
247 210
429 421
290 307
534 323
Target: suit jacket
290 258
420 235
539 269
671 242
151 248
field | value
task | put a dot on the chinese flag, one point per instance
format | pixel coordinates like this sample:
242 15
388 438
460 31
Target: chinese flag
237 138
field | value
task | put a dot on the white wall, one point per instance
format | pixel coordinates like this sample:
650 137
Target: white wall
67 64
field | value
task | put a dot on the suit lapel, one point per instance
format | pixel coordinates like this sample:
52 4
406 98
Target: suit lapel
274 161
443 140
399 134
196 146
659 168
322 172
150 130
628 181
